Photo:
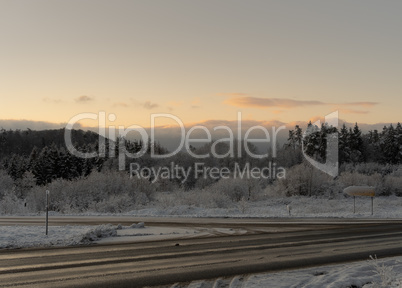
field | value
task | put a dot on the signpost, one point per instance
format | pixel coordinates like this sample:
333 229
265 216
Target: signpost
360 191
47 210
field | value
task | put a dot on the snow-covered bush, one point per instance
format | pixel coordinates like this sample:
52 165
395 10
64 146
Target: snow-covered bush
99 232
236 188
208 198
99 192
6 183
369 168
303 179
113 204
385 273
356 179
36 200
166 199
243 205
274 191
196 197
392 185
10 204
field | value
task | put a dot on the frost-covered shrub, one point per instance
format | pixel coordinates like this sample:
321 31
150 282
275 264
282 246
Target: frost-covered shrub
36 199
24 184
385 273
366 168
163 185
114 204
387 179
236 188
210 199
303 180
100 192
204 183
196 197
274 191
6 183
356 179
166 199
10 204
392 185
243 205
101 231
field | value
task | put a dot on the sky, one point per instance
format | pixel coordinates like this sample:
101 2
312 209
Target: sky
201 61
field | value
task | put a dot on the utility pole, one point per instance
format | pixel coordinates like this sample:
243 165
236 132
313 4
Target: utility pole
47 210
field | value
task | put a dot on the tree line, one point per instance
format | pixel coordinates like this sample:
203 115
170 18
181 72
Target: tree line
44 156
383 147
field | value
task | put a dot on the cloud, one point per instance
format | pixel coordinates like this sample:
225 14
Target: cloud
257 102
120 104
23 124
148 105
51 100
236 94
352 111
361 104
175 104
84 99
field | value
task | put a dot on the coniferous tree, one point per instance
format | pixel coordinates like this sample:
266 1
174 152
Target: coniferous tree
373 151
344 149
356 144
398 140
311 140
389 145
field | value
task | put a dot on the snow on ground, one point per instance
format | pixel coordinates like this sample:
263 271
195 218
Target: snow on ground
34 236
389 207
367 274
381 273
384 207
129 234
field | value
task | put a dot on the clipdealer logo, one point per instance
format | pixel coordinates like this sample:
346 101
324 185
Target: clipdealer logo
240 143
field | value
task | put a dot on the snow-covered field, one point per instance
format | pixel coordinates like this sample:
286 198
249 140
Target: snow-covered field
371 273
276 207
367 274
384 207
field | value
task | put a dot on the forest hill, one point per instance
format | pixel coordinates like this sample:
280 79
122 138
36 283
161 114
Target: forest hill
42 155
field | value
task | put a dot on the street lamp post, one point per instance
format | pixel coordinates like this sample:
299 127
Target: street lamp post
47 210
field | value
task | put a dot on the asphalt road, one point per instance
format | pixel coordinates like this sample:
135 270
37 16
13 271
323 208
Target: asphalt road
269 245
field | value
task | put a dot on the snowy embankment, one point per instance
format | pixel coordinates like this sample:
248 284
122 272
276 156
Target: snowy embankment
277 207
34 236
374 273
13 237
384 208
366 274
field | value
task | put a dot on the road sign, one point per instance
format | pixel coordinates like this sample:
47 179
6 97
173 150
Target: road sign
360 191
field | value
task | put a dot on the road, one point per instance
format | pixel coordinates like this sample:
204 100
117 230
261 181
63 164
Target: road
269 245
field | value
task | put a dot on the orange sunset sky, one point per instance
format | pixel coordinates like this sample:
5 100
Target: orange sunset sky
201 60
